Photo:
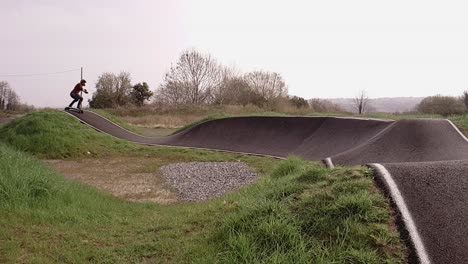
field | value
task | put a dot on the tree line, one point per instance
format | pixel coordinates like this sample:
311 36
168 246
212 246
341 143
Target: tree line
195 79
199 79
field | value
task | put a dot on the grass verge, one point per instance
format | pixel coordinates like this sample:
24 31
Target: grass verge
461 122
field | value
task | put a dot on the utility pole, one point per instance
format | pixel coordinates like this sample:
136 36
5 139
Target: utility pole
81 93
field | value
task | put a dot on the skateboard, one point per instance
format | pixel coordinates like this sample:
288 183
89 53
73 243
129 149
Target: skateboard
77 110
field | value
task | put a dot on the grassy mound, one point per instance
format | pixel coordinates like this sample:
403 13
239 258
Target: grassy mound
310 214
54 134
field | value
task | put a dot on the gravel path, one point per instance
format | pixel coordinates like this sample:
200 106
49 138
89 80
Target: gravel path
198 181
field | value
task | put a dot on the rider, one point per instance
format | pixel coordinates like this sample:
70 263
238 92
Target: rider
75 93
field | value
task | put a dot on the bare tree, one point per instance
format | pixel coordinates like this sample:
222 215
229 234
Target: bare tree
171 93
234 90
192 80
13 100
9 100
230 77
361 102
4 86
268 84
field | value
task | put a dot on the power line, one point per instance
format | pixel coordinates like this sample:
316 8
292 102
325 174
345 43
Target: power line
37 74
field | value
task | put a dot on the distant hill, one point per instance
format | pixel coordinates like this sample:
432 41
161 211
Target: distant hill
382 105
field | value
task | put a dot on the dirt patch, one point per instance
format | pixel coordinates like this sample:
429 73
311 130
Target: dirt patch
133 179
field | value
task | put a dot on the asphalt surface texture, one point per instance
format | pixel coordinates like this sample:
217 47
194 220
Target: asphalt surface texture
427 160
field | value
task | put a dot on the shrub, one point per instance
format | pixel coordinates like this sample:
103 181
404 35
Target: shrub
324 106
442 105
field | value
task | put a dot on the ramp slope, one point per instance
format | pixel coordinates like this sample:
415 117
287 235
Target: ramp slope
409 141
436 194
428 160
308 137
337 135
277 136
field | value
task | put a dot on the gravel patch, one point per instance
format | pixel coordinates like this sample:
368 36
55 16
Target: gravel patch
199 181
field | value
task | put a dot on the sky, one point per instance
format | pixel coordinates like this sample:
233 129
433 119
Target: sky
323 49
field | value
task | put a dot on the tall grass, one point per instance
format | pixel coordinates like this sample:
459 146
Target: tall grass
308 214
28 187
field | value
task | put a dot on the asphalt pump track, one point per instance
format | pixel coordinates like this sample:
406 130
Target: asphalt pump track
422 164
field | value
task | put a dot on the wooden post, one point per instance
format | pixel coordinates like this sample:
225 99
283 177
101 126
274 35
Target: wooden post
81 93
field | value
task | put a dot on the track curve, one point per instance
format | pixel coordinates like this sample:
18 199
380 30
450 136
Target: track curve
426 161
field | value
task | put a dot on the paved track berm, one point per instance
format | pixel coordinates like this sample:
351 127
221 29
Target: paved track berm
421 163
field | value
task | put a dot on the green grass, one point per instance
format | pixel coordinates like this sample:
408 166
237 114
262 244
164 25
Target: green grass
54 134
308 214
461 122
304 214
47 219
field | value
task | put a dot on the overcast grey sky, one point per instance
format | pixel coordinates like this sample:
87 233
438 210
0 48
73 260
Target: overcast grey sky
322 48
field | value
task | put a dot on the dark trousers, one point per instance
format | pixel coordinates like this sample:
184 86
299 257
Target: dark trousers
77 98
